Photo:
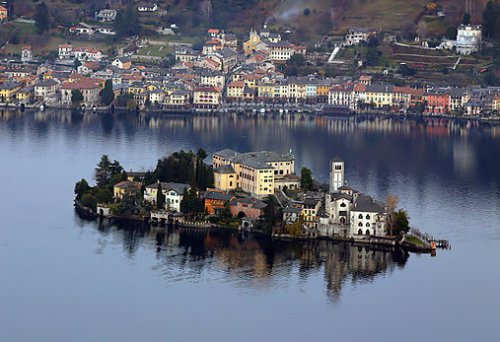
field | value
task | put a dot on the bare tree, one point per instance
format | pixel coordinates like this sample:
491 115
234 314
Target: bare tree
206 8
391 204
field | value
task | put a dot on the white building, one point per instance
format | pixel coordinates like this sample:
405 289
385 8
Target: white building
468 39
145 7
65 51
336 174
27 54
355 36
173 193
105 15
368 217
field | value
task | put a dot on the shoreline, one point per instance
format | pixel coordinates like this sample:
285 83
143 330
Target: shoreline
261 111
391 242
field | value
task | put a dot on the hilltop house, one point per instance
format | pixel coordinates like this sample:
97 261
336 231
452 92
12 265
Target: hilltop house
105 15
147 7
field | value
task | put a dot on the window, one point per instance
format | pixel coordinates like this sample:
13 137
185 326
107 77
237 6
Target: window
360 216
368 224
342 205
360 224
367 217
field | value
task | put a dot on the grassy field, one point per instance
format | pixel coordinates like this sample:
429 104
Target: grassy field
155 50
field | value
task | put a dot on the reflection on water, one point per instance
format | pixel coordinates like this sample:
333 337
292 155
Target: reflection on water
249 261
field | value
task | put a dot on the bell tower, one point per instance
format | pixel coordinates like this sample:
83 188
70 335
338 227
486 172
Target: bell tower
336 174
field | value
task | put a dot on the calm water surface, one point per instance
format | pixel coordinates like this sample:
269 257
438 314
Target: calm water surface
64 279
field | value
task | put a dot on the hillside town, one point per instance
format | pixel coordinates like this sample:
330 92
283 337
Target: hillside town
226 74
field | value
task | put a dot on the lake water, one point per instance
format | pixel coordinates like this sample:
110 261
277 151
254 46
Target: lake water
65 279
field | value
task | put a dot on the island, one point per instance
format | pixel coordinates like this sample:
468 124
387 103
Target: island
251 191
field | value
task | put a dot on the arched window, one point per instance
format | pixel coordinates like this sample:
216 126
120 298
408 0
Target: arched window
367 232
360 216
367 217
360 232
360 224
368 224
342 205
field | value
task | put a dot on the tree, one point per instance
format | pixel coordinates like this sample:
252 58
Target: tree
107 95
89 201
271 211
103 171
297 60
104 196
127 23
42 18
451 33
466 19
76 63
76 97
191 203
402 222
160 198
491 17
81 188
306 180
391 203
372 56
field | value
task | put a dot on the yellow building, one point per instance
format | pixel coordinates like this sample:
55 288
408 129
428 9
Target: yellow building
206 98
132 188
379 95
25 95
255 171
496 103
225 178
235 90
266 90
8 91
251 44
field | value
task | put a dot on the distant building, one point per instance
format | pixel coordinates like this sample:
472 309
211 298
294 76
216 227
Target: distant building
356 36
336 174
253 172
368 217
173 193
105 15
121 189
468 39
27 53
147 7
4 13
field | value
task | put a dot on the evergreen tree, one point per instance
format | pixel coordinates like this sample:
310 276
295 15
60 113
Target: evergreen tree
81 188
306 180
402 222
491 19
160 198
76 97
42 18
466 19
107 95
103 171
127 23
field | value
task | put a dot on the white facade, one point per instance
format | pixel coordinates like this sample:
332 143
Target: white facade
105 15
173 193
357 36
468 39
367 223
336 175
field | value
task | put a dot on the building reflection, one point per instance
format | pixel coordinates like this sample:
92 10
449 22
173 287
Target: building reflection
251 261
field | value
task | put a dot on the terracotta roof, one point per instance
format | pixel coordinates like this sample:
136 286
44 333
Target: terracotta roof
83 83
